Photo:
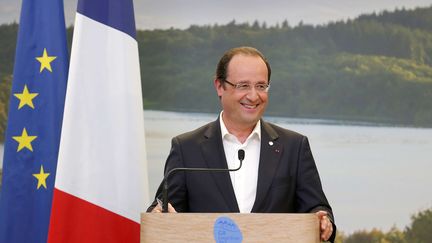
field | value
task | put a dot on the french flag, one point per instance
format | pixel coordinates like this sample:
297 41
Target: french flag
101 182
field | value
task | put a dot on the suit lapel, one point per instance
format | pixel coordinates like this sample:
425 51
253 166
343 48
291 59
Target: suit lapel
214 155
271 151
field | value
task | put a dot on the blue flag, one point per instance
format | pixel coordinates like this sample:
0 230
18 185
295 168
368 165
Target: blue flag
34 125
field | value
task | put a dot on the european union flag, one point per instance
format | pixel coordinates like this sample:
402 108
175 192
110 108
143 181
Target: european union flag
35 119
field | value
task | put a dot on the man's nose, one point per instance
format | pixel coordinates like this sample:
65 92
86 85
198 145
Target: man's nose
252 94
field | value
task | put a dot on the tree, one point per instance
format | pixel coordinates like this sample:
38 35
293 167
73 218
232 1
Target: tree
420 230
256 25
363 236
285 24
5 89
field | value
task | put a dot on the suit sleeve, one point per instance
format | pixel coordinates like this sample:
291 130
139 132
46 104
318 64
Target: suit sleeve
310 197
177 190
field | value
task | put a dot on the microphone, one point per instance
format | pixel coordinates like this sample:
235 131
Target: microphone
240 154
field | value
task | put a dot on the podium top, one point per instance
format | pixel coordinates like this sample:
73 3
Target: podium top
231 227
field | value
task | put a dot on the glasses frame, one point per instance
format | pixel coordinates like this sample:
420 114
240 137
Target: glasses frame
248 87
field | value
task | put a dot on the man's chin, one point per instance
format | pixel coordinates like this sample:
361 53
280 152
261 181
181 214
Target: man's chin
250 120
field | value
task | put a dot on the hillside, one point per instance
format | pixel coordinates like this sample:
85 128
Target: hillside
375 68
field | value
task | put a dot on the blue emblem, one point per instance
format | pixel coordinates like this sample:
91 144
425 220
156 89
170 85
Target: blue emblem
226 231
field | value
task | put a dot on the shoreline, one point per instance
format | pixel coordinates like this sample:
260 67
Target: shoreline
298 120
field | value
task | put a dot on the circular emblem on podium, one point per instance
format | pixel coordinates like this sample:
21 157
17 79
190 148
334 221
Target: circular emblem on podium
225 230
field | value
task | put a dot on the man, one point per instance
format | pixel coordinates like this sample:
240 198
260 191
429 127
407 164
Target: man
278 175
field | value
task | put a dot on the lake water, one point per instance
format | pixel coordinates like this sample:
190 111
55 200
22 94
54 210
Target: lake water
374 177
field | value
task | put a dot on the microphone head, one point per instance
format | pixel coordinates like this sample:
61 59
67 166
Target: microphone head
241 154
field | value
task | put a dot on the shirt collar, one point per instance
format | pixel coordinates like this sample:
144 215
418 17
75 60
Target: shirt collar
256 131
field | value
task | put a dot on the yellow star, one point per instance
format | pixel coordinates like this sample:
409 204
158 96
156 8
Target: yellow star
24 141
45 61
25 98
41 177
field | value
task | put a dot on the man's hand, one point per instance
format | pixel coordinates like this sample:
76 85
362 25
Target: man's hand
158 209
326 226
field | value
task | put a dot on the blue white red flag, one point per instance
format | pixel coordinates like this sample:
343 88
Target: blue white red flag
101 182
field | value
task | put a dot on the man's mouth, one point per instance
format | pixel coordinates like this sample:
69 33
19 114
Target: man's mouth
249 106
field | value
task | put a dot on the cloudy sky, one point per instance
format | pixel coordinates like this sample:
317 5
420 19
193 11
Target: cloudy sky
163 14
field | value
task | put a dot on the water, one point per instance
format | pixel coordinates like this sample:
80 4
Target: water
374 177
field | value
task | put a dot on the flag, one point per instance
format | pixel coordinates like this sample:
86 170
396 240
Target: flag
34 125
101 183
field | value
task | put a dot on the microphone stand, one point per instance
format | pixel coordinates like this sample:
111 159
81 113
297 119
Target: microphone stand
241 155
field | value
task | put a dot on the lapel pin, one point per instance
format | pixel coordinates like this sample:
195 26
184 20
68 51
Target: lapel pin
271 143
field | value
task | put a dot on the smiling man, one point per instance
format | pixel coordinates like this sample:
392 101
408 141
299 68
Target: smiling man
278 174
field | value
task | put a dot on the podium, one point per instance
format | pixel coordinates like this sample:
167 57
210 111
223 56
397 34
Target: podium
229 227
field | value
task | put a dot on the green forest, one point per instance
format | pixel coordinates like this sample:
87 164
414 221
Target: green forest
376 68
418 231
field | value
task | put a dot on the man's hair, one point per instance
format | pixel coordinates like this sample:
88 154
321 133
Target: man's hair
222 66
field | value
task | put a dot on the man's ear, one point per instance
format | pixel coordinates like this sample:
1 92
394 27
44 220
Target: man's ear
219 87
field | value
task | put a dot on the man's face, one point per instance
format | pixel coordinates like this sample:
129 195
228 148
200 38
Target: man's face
243 108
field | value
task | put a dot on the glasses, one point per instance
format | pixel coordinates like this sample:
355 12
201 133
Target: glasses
260 87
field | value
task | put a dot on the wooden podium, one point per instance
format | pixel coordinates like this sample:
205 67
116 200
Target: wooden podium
231 227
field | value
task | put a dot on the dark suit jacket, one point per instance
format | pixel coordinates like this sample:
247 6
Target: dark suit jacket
288 180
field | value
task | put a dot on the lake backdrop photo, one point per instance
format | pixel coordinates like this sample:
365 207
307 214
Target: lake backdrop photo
355 78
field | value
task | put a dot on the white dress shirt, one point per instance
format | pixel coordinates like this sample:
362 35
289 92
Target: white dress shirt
245 180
